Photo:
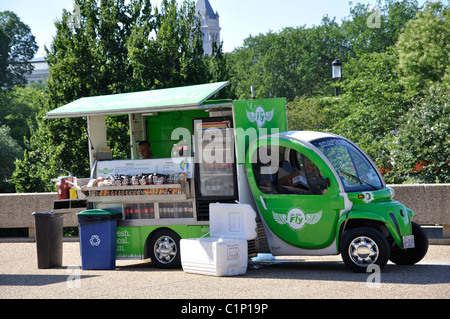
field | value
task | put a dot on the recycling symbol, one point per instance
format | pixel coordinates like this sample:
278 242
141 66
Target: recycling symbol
95 240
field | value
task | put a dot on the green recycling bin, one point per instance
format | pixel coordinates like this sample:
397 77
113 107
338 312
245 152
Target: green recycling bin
98 239
49 239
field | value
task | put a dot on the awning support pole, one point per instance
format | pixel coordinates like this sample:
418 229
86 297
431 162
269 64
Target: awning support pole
97 136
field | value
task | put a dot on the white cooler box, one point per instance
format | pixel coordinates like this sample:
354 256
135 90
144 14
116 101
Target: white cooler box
225 253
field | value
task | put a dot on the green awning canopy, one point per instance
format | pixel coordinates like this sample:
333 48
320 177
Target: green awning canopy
141 102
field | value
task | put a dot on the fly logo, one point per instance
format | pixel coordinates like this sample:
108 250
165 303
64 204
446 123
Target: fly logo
260 116
297 219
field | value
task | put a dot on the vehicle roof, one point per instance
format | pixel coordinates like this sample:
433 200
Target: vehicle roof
308 136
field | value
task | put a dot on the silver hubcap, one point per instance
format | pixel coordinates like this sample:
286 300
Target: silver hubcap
165 249
363 251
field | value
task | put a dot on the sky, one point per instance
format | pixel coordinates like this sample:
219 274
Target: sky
238 18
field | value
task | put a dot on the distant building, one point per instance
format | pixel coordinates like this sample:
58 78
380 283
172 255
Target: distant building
209 24
40 73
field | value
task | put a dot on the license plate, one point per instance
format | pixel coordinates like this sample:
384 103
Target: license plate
408 242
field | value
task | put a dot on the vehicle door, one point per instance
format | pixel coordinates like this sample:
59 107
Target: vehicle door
296 193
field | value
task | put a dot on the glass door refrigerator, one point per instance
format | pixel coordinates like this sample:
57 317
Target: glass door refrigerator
215 163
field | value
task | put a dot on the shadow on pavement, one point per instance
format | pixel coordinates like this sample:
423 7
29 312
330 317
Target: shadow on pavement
35 280
420 274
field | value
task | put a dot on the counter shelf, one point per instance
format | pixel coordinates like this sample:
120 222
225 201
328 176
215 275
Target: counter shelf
135 198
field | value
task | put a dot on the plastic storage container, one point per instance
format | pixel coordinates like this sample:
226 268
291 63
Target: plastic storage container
225 253
49 239
98 239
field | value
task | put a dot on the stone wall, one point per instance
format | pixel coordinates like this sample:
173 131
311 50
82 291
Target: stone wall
16 210
430 203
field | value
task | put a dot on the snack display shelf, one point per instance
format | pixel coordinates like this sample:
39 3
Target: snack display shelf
130 187
136 198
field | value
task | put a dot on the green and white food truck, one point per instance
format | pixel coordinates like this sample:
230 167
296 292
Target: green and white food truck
315 193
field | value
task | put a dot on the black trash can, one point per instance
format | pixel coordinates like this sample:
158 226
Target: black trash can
49 239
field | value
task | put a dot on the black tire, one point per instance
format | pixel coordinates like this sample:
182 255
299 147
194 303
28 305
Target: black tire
364 246
164 249
413 255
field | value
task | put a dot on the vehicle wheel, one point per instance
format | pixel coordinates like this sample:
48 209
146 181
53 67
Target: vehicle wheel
412 255
164 249
364 246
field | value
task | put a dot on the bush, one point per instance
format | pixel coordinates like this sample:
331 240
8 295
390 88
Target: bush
421 148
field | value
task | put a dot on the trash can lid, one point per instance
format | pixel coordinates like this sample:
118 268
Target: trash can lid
44 213
97 212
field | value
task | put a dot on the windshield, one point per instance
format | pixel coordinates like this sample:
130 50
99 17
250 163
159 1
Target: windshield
355 171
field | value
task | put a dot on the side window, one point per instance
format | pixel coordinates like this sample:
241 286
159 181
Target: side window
287 172
265 167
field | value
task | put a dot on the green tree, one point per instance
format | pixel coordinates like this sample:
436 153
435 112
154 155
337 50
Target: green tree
180 45
296 62
372 104
44 158
219 69
310 113
10 152
17 48
421 148
376 27
107 47
247 66
424 48
4 50
18 106
167 50
291 63
88 57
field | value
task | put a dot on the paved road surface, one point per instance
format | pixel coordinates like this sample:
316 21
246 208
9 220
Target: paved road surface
285 278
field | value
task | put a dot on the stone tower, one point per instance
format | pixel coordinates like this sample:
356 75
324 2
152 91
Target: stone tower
209 22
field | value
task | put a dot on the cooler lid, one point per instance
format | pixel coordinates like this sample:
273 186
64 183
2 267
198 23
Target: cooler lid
234 221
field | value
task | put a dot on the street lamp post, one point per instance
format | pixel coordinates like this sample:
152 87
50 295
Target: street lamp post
336 73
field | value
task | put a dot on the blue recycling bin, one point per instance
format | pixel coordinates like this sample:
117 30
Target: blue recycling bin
98 239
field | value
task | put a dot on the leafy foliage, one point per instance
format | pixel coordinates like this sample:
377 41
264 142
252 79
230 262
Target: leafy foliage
393 98
372 105
424 48
17 48
421 147
394 95
293 63
296 62
10 151
109 47
375 28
